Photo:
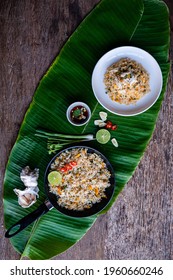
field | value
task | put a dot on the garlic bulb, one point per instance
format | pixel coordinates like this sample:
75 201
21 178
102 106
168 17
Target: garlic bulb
29 195
29 177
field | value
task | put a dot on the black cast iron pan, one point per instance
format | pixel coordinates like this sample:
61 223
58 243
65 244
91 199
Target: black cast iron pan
51 201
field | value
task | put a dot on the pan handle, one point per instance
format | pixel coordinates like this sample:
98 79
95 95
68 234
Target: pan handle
27 220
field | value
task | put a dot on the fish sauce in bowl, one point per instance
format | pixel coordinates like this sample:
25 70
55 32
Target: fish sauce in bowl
78 113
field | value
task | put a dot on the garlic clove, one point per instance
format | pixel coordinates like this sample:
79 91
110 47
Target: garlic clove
103 116
102 124
114 142
97 122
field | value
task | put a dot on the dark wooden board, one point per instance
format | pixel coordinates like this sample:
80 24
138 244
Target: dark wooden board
140 224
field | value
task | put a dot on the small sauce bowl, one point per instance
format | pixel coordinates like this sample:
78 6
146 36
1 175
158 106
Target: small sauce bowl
78 113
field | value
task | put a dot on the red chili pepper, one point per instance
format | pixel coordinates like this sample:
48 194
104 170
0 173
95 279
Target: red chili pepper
114 127
108 125
68 166
63 169
109 122
73 163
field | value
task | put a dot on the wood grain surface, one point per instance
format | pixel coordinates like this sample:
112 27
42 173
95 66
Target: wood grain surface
140 224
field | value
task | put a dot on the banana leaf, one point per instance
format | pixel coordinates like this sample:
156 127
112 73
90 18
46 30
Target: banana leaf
112 23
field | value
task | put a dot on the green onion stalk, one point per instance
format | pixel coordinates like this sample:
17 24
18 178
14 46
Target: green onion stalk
56 141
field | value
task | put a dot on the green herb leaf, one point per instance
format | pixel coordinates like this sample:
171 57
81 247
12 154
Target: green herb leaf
77 113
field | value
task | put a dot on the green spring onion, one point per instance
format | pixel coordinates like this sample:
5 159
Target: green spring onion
56 141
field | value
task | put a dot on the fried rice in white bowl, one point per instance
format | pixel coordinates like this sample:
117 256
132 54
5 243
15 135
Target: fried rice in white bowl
127 81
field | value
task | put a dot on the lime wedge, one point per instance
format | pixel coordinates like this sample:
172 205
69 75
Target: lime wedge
54 178
103 136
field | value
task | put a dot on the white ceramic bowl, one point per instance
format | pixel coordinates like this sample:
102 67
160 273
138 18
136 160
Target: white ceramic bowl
74 105
142 57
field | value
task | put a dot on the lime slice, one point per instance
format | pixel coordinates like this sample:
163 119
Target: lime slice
103 136
54 178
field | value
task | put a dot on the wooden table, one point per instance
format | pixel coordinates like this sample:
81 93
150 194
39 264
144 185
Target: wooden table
140 224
